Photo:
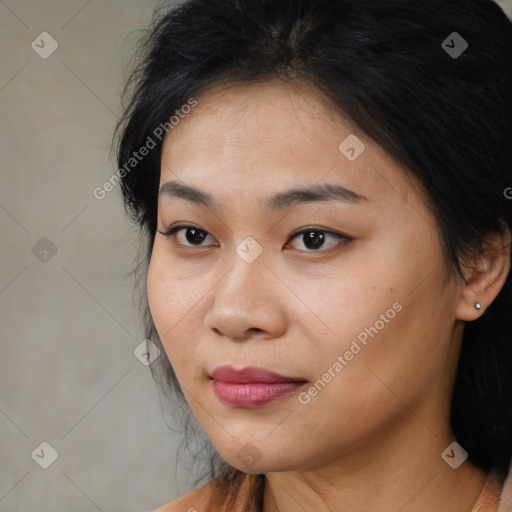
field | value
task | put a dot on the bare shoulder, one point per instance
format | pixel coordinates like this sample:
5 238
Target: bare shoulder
194 501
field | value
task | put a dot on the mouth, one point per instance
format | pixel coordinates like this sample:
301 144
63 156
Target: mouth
252 387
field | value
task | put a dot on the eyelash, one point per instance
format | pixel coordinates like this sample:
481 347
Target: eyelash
180 227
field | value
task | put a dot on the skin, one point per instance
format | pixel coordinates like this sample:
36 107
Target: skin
372 438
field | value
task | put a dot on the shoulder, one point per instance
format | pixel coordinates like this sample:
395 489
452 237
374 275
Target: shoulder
194 501
506 495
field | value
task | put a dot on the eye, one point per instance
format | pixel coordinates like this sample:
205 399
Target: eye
193 235
313 238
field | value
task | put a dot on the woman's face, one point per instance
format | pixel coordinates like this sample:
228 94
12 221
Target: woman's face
364 325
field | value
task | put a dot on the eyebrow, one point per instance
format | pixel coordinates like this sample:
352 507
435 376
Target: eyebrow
279 201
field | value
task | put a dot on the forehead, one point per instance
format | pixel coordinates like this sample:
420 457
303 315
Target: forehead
269 114
258 137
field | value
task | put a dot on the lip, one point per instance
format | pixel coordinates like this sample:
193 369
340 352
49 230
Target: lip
252 386
248 375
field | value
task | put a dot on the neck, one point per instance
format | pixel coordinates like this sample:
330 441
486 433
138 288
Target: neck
403 471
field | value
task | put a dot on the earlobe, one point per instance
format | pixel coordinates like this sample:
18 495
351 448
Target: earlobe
486 277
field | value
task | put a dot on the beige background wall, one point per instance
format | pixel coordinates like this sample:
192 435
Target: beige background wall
68 374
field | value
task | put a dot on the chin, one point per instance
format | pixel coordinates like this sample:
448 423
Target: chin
252 459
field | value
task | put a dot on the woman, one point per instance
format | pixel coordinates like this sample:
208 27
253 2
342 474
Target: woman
325 192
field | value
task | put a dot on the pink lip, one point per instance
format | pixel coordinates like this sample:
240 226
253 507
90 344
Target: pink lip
251 386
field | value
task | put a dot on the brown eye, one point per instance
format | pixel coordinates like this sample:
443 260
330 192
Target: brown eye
193 235
315 238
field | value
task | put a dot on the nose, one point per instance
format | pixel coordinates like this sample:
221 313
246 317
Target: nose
248 302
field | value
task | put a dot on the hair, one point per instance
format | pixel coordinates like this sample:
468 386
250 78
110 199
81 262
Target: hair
447 119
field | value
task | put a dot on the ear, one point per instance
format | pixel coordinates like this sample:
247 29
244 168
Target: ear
485 275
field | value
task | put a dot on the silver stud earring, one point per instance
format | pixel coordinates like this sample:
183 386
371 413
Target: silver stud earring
478 306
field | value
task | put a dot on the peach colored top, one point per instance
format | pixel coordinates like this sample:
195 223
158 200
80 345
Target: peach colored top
496 496
489 498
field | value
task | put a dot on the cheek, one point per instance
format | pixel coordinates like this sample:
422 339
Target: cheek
175 306
349 299
368 313
170 298
156 291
